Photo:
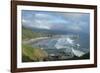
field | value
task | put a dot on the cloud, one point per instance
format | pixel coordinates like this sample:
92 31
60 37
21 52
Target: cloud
56 21
75 28
43 16
74 15
42 24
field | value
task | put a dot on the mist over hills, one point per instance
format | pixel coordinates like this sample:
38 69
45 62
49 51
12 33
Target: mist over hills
83 37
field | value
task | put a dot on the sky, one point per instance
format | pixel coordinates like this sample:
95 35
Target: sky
64 21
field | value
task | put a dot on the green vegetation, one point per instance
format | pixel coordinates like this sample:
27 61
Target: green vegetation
28 34
86 56
32 54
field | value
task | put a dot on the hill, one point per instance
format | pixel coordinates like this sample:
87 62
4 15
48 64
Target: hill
29 34
32 54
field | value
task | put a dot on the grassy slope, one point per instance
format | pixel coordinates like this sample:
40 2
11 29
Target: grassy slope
28 34
32 54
